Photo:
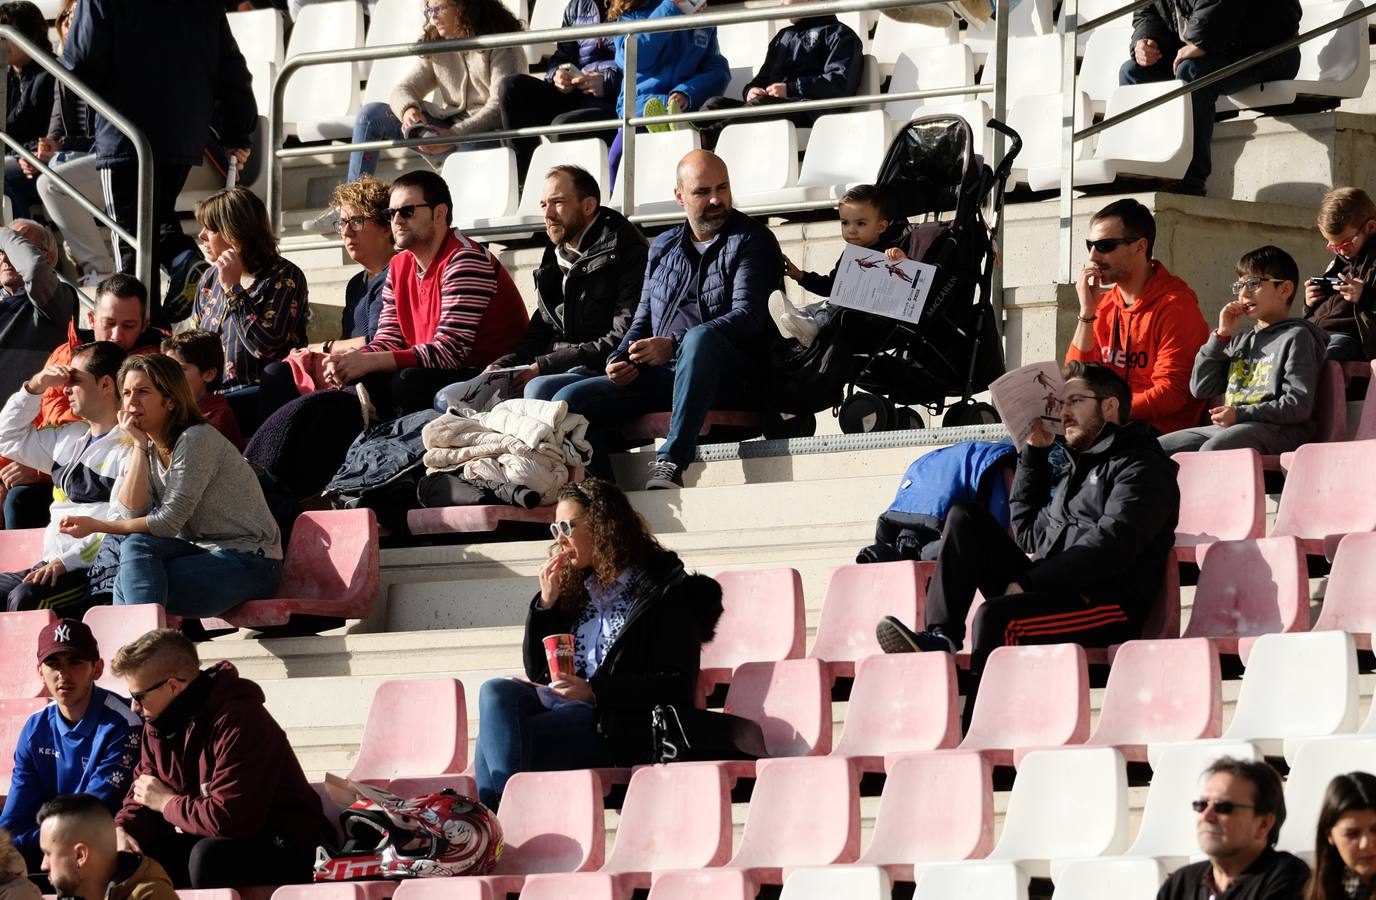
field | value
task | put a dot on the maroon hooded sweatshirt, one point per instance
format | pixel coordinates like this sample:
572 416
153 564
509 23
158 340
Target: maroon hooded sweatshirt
230 764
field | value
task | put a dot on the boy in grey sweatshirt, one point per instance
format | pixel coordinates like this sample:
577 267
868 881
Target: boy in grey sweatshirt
1268 374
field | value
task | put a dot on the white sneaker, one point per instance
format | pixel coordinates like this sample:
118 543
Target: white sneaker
792 323
325 223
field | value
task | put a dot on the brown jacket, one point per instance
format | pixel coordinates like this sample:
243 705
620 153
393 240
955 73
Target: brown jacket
140 878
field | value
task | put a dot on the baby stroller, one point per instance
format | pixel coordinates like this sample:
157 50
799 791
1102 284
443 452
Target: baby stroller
875 369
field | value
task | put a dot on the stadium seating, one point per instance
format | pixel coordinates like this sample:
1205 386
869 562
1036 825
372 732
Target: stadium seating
761 155
654 181
1034 67
1130 878
761 621
415 741
1030 697
893 38
930 69
578 886
545 15
19 636
258 32
900 704
1029 18
858 596
1349 598
851 882
1222 498
673 817
1330 411
1334 65
1311 769
590 153
1105 51
483 185
1247 588
444 889
13 715
744 43
319 96
703 884
972 881
392 22
551 822
115 626
357 890
843 150
1038 119
1321 501
1366 424
791 701
20 548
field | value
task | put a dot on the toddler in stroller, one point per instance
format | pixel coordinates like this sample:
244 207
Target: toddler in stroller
866 221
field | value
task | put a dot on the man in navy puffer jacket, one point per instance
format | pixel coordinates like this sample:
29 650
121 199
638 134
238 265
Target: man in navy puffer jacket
699 335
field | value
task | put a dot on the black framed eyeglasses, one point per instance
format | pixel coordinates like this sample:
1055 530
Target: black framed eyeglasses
562 528
353 223
1221 807
1075 399
1108 245
1251 284
137 696
407 211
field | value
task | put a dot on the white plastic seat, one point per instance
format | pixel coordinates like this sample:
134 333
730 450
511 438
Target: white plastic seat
971 881
1105 53
1067 803
830 882
744 43
761 157
1034 66
1313 767
545 15
482 184
892 38
1093 9
393 22
258 32
590 153
1028 18
845 149
1037 118
929 69
327 93
657 155
1131 879
1156 144
862 22
1336 64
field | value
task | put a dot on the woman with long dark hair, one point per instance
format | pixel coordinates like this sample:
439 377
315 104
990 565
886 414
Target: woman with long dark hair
1345 845
638 621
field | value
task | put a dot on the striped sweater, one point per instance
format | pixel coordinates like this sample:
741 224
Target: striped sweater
463 312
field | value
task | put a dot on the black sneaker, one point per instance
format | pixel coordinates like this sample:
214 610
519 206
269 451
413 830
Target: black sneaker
895 637
664 476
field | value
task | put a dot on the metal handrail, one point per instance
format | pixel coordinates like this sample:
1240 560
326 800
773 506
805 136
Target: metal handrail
627 120
142 238
1068 79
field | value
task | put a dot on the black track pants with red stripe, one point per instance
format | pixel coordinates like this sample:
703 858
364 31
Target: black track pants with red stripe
976 553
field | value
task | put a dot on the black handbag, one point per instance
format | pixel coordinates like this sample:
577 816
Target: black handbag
700 735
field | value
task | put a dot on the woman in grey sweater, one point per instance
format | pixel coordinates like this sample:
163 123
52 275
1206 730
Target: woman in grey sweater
199 536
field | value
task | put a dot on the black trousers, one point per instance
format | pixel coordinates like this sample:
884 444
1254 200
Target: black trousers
68 598
199 862
399 393
976 553
527 101
710 131
120 186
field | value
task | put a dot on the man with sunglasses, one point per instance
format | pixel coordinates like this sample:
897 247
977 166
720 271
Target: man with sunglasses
84 742
218 796
449 308
1342 301
1137 318
1238 816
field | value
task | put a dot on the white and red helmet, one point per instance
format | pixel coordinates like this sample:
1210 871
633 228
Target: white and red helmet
429 837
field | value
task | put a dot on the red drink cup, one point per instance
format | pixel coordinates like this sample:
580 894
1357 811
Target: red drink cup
559 655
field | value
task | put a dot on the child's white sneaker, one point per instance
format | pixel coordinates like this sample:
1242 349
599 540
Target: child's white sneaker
791 321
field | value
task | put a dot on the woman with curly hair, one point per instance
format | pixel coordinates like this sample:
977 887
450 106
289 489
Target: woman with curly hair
638 621
1345 846
464 84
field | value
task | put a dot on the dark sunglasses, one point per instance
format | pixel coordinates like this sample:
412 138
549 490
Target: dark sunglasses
406 211
1108 245
137 696
1221 807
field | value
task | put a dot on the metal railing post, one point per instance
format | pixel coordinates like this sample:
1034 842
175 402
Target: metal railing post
1069 32
1000 75
628 139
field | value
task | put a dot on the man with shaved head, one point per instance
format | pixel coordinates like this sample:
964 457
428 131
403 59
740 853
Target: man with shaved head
699 337
77 835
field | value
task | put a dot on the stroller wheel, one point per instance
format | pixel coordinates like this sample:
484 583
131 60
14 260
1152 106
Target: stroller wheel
862 413
905 418
968 412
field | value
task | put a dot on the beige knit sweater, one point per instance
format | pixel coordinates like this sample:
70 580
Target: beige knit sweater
462 82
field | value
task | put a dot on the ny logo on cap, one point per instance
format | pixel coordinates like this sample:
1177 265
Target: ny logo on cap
62 634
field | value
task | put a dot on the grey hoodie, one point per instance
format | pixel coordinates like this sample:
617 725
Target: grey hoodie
1270 375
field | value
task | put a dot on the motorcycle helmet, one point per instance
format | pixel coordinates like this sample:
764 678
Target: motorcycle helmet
434 836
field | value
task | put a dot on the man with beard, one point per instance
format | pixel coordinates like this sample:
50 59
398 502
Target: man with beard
80 855
1098 539
449 308
699 334
1237 821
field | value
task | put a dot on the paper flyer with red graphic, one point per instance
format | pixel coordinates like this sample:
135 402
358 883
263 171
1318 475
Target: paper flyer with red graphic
868 281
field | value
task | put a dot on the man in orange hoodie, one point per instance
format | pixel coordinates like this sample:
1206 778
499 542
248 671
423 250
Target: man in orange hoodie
1148 326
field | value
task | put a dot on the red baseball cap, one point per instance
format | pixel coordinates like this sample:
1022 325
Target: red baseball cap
68 636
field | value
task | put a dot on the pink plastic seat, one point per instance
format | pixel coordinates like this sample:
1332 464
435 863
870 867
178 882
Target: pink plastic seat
330 569
343 890
13 715
20 549
703 884
673 817
578 886
1330 411
936 807
208 893
416 731
1249 588
115 626
461 519
445 889
551 822
790 699
652 426
761 621
1349 600
18 651
900 703
1366 425
858 596
1160 691
1030 697
1327 496
1222 498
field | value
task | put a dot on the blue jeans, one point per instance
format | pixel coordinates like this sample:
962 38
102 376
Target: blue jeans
517 734
544 387
1204 100
707 373
376 122
189 580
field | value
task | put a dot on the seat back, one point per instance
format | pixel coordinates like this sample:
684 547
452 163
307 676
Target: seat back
1336 62
1349 599
718 884
922 685
1222 496
936 807
791 701
20 549
761 155
892 38
574 886
744 43
654 181
551 822
115 626
392 22
761 620
851 882
1034 66
333 556
482 184
19 633
858 596
845 149
442 889
1037 118
930 69
415 729
1103 58
590 153
972 881
1250 587
1167 830
1168 690
1066 803
1157 136
673 817
330 90
803 812
1321 497
13 715
1297 685
1034 696
1085 879
1366 425
1315 765
258 32
1330 404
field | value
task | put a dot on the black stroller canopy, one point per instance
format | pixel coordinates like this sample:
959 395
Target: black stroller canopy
931 167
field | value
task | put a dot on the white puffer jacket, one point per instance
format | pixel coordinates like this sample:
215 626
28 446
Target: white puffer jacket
526 442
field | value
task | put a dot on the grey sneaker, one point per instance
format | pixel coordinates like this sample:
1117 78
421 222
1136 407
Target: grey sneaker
664 476
325 223
895 637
